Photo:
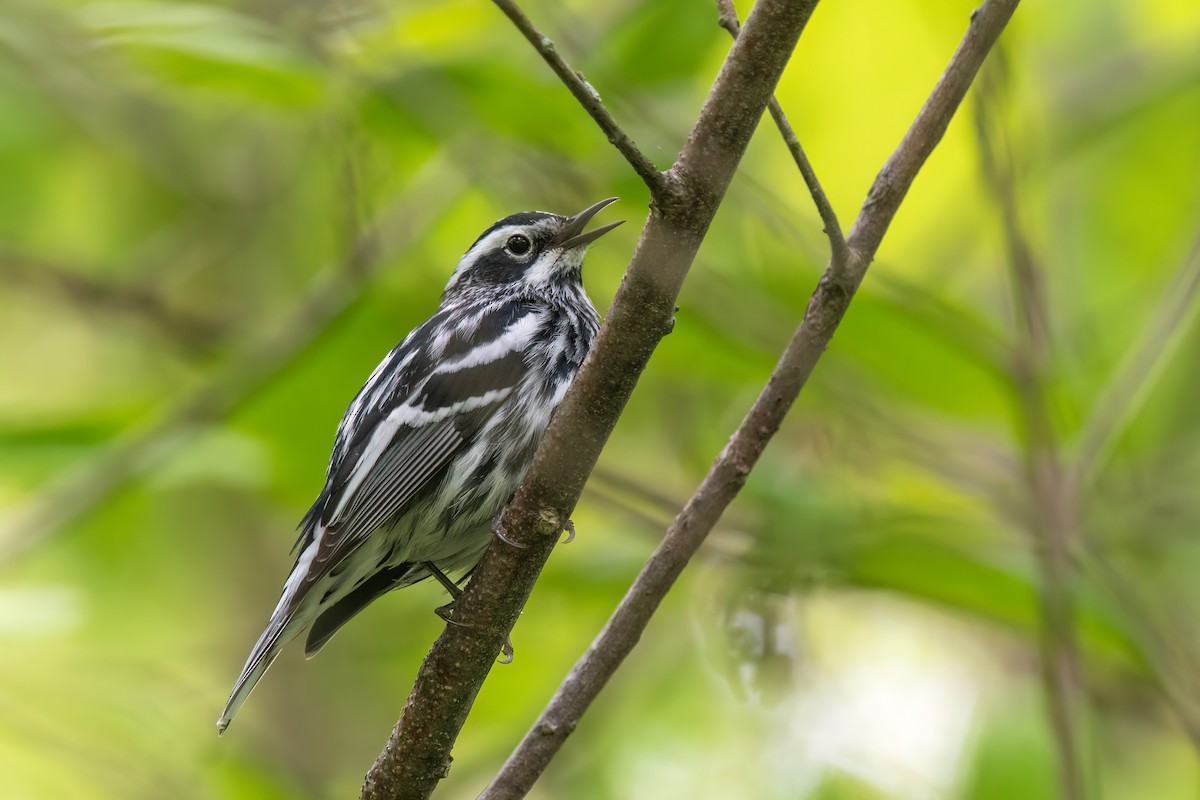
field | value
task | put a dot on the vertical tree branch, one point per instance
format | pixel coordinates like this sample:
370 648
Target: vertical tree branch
728 474
417 754
1165 646
1053 491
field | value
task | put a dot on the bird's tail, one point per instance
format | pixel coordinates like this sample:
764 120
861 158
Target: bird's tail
281 630
291 616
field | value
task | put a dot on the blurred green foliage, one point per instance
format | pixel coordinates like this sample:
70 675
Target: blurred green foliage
216 218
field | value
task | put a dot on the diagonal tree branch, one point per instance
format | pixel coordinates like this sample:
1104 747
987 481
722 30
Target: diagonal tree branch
727 475
727 18
588 97
417 754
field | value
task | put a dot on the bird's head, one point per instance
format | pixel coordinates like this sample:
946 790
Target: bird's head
533 250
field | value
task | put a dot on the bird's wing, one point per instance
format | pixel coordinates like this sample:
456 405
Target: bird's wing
422 407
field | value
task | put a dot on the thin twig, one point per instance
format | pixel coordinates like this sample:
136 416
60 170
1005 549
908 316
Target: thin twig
587 96
1125 393
417 754
1053 492
85 487
727 475
839 253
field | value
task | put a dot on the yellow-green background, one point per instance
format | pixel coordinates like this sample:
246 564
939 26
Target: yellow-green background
180 185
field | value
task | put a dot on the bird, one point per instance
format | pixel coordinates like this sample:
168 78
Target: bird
438 439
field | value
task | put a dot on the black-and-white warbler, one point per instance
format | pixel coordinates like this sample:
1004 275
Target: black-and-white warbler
437 441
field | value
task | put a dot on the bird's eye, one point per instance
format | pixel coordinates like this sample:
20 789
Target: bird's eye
518 245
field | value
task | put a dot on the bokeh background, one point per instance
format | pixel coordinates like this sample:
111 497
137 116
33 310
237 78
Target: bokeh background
215 218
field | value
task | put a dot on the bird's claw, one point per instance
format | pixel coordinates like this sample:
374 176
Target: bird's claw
499 532
446 614
506 653
496 529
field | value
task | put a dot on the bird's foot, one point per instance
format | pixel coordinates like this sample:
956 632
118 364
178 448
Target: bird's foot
499 532
446 614
506 652
570 529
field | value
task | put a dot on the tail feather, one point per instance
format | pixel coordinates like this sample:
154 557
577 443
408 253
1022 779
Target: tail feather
291 616
312 590
278 633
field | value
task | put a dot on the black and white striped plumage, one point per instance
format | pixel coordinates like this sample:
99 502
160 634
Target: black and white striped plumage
437 441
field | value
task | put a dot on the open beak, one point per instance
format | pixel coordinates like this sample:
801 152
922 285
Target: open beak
572 234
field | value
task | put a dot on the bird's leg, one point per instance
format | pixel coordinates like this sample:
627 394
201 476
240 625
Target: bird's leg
496 529
444 612
570 529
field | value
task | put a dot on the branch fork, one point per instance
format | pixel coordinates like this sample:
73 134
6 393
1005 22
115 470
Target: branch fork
683 202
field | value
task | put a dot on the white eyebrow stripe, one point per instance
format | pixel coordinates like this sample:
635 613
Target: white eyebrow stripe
491 242
486 244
